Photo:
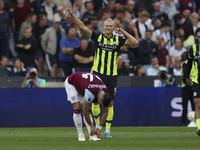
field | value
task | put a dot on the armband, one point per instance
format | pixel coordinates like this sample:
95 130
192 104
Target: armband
99 127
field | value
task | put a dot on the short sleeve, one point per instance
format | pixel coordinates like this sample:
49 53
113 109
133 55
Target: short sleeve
63 43
94 36
122 41
88 97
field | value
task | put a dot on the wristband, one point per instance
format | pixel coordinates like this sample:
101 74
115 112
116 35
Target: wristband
99 127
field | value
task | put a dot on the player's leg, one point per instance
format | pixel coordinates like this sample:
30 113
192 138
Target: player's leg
197 114
109 120
72 96
112 88
196 96
86 124
185 98
78 120
96 111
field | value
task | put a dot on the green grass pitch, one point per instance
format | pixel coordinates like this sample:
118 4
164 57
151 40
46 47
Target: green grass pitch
124 138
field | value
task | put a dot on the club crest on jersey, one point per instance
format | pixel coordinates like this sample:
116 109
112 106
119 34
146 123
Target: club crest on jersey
73 98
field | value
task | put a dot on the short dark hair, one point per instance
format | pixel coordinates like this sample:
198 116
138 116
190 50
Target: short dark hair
106 99
197 30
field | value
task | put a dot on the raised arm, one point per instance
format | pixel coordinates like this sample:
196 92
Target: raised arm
78 22
131 40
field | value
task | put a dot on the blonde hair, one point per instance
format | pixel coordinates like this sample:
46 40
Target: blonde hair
109 20
28 20
194 14
145 14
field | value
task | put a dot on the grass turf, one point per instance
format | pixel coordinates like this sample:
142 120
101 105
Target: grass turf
124 138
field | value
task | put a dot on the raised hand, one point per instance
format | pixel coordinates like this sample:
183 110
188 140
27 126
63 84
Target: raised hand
69 10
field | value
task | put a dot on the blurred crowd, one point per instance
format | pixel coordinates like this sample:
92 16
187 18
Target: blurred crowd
40 34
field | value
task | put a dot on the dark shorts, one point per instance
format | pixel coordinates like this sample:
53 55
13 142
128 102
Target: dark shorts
110 82
196 90
52 59
39 54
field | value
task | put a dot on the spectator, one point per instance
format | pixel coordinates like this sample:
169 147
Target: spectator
156 23
165 32
84 56
194 18
4 72
60 14
140 24
163 55
134 50
4 31
28 23
79 8
168 8
181 21
157 12
128 16
127 56
38 31
67 24
64 3
32 80
186 13
91 15
106 15
26 49
155 67
146 4
21 13
189 4
147 49
18 69
67 45
122 70
48 8
166 80
188 39
139 70
120 15
176 69
51 45
111 7
131 8
176 51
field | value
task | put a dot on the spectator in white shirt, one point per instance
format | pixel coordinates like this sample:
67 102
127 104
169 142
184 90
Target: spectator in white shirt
176 51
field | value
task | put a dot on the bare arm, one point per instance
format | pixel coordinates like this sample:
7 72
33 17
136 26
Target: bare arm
86 109
82 59
167 62
78 22
131 40
103 119
67 51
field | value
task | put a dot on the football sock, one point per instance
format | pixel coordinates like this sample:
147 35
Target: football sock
87 125
109 119
78 121
96 113
198 122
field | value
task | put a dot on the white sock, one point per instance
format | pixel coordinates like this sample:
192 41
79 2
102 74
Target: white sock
97 125
107 131
78 122
87 125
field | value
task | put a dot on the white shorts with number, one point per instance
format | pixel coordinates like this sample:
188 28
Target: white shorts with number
72 94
